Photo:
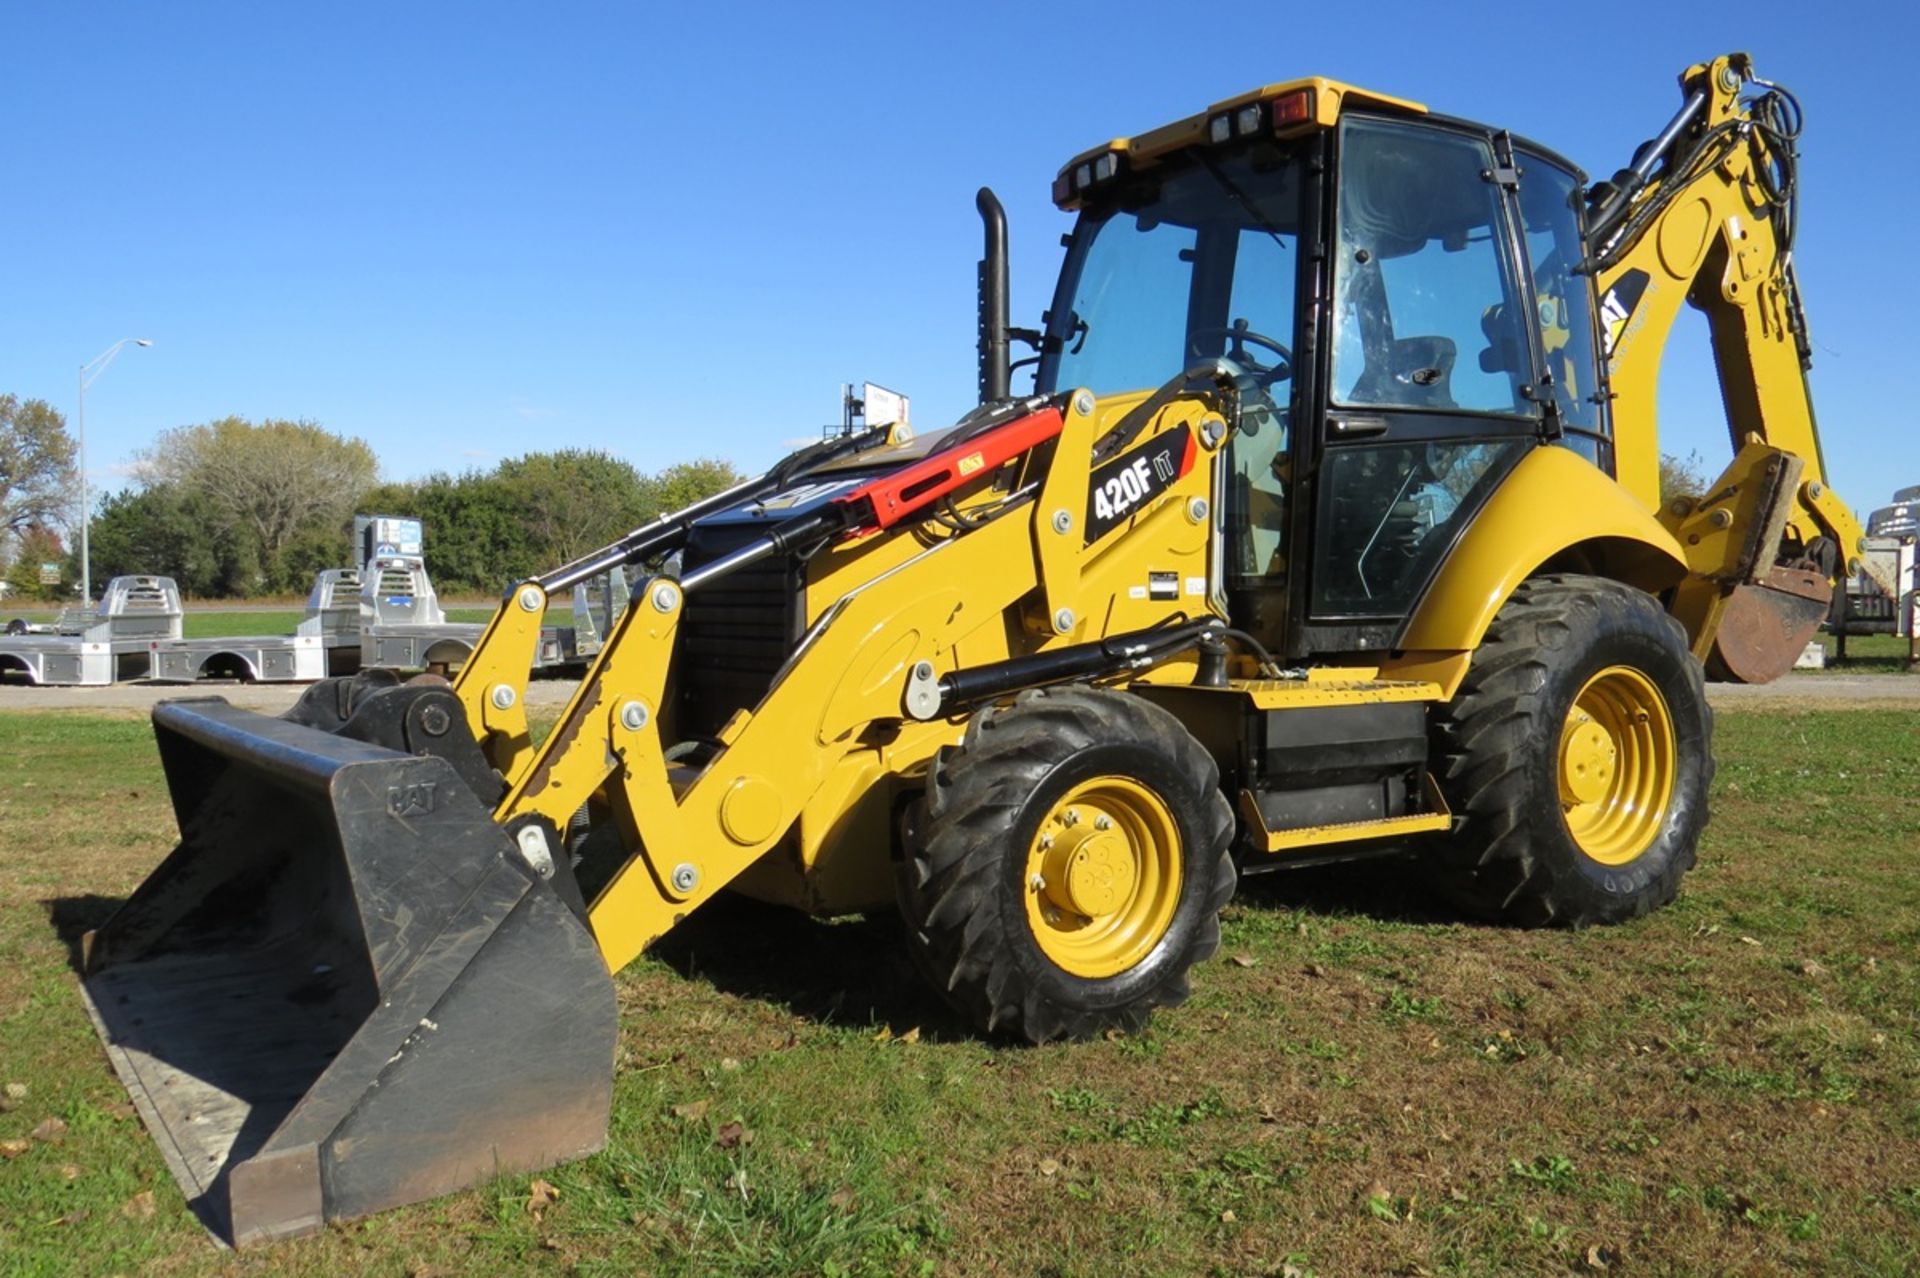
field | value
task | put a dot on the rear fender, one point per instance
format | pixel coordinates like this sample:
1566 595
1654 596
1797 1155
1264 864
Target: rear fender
1556 510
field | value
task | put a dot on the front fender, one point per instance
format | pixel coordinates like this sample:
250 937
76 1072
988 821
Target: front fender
1556 507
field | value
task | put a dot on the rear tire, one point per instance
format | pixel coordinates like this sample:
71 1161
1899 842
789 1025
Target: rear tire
1067 865
1577 755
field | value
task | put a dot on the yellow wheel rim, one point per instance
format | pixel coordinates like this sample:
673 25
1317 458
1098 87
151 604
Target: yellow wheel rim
1617 758
1103 877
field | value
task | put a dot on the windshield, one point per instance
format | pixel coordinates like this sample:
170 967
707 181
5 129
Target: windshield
1194 259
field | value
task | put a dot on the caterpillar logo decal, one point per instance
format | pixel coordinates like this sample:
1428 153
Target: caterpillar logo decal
1616 308
1124 486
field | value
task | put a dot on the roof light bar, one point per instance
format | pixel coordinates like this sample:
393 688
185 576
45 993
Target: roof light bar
1292 109
1077 178
1279 115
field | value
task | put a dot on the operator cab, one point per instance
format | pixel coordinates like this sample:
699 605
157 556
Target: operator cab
1399 295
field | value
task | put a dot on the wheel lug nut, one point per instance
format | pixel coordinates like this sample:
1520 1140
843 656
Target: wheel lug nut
1038 882
1046 841
1103 823
1072 816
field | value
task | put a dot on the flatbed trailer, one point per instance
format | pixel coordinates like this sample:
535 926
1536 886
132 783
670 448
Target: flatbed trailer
110 643
326 642
403 627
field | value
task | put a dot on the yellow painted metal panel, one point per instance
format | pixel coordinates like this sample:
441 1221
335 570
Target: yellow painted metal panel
1554 500
1285 694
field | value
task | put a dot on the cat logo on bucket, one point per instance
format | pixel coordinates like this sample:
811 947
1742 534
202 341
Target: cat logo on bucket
415 799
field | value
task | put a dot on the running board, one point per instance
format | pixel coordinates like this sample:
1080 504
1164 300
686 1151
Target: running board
1313 836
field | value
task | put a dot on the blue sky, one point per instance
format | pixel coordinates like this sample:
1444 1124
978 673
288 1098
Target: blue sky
464 232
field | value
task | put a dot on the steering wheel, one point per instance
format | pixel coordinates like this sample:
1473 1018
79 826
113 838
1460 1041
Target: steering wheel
1264 375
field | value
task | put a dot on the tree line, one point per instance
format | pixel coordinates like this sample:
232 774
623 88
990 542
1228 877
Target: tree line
233 508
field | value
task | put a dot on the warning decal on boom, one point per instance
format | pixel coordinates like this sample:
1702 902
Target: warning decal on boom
1616 308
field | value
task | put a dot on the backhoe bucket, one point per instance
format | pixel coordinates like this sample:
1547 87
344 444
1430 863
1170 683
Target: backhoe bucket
1768 624
343 990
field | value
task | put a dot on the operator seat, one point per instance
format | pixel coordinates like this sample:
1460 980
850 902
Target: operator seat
1416 373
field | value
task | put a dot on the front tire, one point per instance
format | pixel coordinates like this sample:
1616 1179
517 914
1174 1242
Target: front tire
1068 865
1577 754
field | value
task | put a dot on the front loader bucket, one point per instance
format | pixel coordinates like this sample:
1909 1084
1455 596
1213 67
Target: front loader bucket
343 990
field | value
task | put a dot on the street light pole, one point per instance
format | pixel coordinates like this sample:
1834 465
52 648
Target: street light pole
98 365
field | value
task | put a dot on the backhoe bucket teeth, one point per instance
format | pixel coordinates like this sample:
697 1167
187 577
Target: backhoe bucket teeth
343 990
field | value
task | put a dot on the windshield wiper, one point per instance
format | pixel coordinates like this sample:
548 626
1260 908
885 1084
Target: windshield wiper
1244 200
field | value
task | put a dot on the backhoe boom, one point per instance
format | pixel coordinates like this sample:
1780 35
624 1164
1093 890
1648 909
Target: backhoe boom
1706 217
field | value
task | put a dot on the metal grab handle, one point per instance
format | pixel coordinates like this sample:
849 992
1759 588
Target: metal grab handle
1342 428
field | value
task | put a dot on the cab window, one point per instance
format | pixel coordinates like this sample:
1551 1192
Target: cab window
1423 313
1126 320
1550 221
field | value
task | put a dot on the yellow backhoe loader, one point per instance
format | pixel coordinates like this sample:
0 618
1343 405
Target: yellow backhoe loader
1328 529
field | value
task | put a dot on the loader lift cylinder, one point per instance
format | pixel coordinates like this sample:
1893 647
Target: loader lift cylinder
669 532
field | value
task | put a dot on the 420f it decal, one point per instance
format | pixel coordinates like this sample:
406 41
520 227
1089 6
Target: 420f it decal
1123 486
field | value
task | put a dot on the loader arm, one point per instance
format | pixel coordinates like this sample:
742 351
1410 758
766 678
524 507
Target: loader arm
1706 217
492 683
944 595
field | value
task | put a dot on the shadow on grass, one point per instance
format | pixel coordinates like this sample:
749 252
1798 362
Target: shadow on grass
852 973
72 917
856 974
1385 889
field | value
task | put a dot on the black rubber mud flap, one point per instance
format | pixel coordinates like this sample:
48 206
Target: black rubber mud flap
344 990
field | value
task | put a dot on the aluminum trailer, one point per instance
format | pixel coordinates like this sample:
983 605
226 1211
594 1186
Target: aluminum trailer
326 642
403 627
1888 553
597 604
113 641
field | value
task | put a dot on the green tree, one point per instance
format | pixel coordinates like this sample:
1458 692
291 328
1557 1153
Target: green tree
485 529
173 532
38 544
476 535
574 500
1682 476
38 481
684 483
287 484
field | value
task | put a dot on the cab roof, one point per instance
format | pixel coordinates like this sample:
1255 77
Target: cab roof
1285 109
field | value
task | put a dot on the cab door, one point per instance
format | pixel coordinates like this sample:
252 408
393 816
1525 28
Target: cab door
1429 385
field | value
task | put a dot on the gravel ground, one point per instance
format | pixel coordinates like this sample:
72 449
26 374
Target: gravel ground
1831 691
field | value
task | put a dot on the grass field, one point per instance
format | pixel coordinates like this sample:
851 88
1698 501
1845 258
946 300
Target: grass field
1361 1085
1869 654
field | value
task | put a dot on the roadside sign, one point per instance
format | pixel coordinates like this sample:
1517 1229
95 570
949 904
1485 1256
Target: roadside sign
49 574
883 407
